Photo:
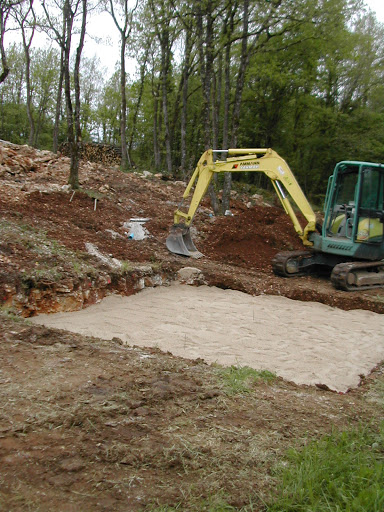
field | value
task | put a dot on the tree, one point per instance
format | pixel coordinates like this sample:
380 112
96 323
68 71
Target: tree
45 79
165 30
91 86
13 118
26 20
124 27
108 110
70 9
6 8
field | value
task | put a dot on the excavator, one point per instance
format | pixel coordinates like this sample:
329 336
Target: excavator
349 242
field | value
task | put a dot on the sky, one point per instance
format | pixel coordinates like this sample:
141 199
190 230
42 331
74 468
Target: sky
110 53
103 39
378 7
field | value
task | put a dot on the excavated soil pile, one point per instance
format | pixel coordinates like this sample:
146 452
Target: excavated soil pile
251 237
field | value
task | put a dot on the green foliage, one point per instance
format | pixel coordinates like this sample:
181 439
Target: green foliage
312 88
14 122
108 111
241 379
343 472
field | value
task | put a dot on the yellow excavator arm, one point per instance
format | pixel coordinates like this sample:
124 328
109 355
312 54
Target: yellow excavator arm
266 161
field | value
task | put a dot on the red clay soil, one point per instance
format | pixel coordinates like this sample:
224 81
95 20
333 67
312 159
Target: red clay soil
252 237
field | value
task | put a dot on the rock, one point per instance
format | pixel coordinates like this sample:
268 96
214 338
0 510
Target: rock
73 464
110 262
191 275
65 286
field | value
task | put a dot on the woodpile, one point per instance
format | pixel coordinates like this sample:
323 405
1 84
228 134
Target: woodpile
105 154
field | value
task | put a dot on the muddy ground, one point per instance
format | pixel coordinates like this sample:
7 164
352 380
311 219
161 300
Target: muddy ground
87 424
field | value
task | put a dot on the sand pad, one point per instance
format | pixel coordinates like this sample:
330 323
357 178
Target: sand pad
305 342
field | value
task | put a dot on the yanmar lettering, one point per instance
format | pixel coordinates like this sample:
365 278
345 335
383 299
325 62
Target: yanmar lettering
251 165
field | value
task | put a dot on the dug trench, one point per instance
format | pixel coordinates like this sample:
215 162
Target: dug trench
92 424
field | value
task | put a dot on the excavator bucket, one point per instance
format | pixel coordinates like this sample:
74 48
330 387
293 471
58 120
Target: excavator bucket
179 241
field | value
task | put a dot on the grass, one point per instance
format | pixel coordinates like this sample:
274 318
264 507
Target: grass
376 393
12 314
241 379
343 472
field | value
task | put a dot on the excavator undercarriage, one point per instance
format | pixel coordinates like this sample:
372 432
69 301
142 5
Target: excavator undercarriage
347 276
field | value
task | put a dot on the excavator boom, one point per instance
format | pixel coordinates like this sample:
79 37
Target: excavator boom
265 161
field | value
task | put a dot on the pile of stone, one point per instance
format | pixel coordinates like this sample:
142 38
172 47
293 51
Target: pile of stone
16 159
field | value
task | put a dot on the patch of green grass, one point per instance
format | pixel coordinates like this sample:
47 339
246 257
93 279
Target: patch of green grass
376 393
126 266
241 379
344 472
11 313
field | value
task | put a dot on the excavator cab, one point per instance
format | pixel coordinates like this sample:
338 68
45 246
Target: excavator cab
354 208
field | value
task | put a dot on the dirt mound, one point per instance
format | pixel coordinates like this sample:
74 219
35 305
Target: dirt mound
251 237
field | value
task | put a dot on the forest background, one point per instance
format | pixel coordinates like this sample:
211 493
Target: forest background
305 77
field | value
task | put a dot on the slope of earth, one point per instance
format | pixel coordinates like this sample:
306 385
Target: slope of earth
45 230
87 424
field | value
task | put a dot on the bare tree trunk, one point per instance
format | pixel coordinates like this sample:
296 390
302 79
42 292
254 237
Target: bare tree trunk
4 13
58 103
217 86
227 74
125 32
74 171
73 174
123 114
241 75
206 62
24 23
184 119
156 148
237 103
139 97
31 137
164 42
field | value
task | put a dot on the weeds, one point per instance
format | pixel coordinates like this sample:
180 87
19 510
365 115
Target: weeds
343 472
376 393
11 313
126 266
241 379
